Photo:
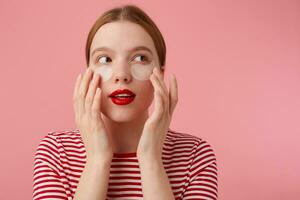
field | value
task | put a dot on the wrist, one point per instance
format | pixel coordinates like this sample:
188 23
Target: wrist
99 160
149 158
150 154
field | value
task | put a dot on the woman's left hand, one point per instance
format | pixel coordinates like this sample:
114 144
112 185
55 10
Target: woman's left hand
156 126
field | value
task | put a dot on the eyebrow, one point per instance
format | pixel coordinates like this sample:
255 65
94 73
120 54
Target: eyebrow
131 50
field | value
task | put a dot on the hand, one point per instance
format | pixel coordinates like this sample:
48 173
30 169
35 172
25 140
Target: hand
87 101
156 126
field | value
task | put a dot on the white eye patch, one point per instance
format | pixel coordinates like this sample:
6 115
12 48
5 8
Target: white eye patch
105 72
140 72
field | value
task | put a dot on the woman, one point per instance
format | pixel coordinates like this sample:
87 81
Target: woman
118 150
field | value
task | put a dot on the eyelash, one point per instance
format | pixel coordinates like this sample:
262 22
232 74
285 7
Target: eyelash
147 59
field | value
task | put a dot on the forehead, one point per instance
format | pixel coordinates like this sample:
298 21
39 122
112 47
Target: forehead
121 36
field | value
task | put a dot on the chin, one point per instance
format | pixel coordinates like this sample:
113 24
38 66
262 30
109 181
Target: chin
119 116
126 113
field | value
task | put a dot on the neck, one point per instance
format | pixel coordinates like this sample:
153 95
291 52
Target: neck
125 135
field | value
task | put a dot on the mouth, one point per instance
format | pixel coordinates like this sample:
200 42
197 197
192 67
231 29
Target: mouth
122 97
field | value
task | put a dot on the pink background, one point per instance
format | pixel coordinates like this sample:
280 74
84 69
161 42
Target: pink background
238 68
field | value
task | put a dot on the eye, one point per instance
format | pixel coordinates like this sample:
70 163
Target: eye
144 58
101 59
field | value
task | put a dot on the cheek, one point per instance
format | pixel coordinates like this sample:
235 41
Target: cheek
141 72
146 94
105 72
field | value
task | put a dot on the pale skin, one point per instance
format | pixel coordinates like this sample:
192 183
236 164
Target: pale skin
106 128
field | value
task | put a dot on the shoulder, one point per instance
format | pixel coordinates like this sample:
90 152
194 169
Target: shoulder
62 134
52 142
199 148
55 138
48 152
174 135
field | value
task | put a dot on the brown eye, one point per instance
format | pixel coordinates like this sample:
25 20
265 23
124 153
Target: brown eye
102 59
144 58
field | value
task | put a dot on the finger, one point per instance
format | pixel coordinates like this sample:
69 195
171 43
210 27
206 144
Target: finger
96 103
163 87
75 95
158 89
76 87
173 93
161 81
91 92
77 83
158 106
160 76
83 88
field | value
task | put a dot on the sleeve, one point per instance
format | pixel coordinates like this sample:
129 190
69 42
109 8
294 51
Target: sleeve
203 182
47 182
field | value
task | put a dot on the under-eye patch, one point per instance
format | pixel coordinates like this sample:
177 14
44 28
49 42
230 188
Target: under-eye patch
139 71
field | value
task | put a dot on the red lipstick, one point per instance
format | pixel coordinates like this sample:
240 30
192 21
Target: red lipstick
122 97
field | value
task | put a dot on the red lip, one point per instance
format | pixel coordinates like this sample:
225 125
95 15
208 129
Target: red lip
124 91
120 100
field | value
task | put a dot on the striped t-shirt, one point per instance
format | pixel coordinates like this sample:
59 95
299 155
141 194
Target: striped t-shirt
60 157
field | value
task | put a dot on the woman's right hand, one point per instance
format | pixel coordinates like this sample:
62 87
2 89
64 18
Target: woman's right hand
87 101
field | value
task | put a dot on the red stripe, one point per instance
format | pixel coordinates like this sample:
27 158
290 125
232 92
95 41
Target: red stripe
68 158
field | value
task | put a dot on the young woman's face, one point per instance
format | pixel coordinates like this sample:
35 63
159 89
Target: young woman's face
122 67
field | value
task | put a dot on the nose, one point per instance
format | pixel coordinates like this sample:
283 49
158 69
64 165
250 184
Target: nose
122 74
122 78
